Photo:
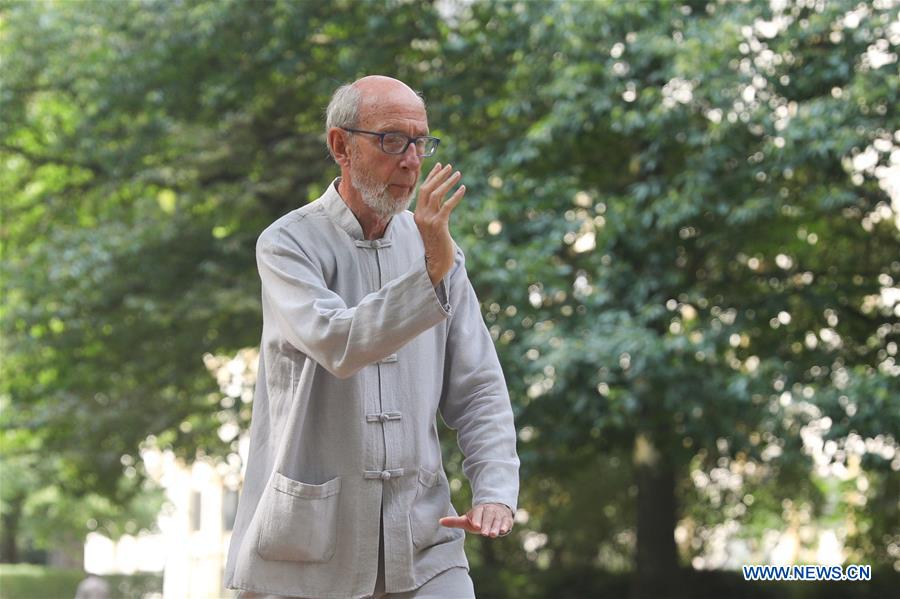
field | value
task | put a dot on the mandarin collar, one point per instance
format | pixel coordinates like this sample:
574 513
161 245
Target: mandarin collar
339 212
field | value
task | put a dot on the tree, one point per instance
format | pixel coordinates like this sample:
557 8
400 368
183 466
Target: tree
675 182
144 147
673 220
42 510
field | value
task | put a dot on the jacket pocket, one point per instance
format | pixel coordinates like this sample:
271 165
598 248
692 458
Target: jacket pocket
432 503
299 521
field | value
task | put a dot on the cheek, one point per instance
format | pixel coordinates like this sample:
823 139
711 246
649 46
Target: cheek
388 171
363 161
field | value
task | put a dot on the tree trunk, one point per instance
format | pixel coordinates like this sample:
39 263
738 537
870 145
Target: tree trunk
68 553
9 547
657 556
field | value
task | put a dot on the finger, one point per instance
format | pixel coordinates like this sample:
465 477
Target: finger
476 528
432 174
506 527
487 522
441 191
495 527
435 178
455 199
471 527
443 173
455 522
463 522
475 515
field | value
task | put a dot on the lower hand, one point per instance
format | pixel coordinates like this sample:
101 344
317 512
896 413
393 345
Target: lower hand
488 519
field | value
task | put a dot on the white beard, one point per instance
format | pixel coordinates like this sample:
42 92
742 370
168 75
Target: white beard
377 195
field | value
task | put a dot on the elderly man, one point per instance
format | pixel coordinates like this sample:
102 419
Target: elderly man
371 327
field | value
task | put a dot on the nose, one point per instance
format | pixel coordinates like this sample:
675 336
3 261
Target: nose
411 159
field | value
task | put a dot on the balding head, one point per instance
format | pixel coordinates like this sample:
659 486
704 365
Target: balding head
357 104
379 94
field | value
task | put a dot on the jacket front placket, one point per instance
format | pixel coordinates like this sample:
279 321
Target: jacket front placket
386 418
378 416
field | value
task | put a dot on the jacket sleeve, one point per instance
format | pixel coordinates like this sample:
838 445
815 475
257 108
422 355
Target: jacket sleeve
317 322
475 400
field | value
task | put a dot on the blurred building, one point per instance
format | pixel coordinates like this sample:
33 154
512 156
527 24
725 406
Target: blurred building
195 525
194 531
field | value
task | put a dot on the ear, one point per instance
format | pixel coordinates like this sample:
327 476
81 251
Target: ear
339 141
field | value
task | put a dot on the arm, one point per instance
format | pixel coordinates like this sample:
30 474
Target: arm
317 322
343 340
475 402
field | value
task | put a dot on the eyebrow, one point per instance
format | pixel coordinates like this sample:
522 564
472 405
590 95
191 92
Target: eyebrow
426 134
394 128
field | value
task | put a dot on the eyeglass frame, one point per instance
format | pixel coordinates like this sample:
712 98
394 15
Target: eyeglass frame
409 141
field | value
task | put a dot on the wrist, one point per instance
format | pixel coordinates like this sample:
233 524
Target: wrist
435 272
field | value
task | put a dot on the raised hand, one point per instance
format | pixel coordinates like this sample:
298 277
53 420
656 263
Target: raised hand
432 217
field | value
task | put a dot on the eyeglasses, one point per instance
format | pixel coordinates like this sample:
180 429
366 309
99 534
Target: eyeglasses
397 143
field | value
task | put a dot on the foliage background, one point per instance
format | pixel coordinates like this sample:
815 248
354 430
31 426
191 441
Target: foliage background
678 223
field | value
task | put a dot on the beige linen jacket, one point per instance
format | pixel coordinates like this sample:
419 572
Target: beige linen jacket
358 354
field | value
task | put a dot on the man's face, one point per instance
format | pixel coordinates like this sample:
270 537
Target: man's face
387 182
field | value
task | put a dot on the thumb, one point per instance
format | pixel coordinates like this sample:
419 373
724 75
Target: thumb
455 522
462 522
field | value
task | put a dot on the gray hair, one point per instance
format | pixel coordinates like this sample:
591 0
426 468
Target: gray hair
343 110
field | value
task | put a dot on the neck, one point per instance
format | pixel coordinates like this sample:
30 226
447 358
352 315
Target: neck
373 226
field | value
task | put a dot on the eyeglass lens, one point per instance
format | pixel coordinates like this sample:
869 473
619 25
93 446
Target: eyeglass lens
395 143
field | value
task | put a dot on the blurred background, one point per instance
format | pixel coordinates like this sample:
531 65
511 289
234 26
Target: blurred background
683 223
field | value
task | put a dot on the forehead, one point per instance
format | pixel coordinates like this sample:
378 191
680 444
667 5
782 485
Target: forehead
394 111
